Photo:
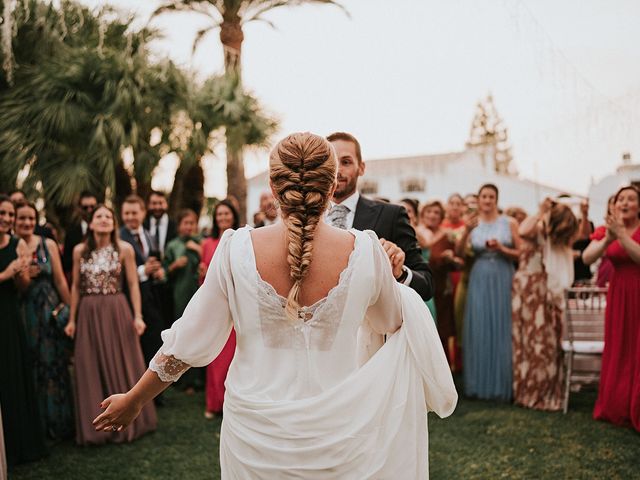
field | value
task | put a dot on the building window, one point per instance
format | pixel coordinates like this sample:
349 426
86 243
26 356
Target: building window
413 185
369 187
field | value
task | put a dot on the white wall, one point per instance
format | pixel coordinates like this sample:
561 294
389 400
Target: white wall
600 191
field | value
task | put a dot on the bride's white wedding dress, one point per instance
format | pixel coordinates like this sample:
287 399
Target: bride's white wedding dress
303 399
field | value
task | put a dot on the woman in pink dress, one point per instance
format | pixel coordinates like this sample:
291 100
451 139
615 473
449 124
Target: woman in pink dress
225 216
619 392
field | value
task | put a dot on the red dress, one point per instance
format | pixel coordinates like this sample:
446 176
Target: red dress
619 391
217 370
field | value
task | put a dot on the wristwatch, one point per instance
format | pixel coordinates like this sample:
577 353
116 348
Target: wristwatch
403 276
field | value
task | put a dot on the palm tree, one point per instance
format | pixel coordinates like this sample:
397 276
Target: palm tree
230 16
220 101
84 95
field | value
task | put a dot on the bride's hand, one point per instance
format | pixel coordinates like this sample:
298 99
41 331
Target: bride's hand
120 412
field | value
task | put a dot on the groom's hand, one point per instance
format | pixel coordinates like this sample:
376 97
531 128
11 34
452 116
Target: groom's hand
396 257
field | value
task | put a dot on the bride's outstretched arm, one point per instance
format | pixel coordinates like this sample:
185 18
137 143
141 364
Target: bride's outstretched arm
123 408
193 341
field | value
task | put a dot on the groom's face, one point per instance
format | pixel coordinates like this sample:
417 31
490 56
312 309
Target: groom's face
349 169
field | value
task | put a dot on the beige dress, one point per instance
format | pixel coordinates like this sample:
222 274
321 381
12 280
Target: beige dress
107 356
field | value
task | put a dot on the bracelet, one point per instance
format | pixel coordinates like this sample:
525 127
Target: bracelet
138 317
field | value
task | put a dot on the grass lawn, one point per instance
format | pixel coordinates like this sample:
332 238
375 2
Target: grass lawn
481 440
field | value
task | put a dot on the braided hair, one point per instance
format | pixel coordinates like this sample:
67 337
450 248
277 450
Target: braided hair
302 172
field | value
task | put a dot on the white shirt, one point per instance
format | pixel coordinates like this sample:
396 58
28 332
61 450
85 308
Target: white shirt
84 226
164 226
350 202
142 276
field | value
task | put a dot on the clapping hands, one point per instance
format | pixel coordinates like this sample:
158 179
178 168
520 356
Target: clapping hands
615 227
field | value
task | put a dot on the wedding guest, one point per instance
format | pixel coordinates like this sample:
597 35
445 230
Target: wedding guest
18 197
464 251
583 274
454 224
107 354
21 422
182 263
442 260
453 216
225 217
149 269
487 322
268 210
619 389
182 260
605 267
412 206
544 272
424 237
517 213
46 304
78 231
157 222
162 230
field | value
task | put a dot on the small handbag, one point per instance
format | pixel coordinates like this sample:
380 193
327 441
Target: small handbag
60 316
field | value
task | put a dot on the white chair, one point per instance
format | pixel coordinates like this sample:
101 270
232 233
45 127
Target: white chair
583 337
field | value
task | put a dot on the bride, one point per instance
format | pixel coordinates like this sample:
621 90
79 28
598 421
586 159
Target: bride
312 391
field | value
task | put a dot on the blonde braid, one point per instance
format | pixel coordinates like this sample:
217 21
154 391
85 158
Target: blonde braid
302 172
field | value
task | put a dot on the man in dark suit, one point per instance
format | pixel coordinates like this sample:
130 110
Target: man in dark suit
76 233
161 228
390 222
149 270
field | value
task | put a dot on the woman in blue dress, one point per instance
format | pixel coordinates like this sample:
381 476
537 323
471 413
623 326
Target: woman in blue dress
487 322
50 348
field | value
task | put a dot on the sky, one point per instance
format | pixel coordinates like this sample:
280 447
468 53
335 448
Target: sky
404 77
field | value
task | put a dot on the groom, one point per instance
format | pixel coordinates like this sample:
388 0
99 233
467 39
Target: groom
390 222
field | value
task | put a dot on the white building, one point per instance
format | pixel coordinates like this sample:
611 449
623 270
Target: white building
427 177
626 174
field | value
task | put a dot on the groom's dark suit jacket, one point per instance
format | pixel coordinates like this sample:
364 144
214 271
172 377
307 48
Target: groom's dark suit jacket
392 223
150 341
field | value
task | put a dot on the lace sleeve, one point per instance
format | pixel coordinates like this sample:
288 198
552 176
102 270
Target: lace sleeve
167 367
197 337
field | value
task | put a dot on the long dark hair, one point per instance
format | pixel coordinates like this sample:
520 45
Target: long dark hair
90 241
633 188
215 230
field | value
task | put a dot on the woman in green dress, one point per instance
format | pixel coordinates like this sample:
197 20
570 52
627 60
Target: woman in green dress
49 347
182 263
21 421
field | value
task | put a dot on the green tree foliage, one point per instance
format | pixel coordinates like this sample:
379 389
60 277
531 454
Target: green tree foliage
229 17
84 90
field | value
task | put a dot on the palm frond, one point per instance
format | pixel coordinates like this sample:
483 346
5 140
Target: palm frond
200 35
258 8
